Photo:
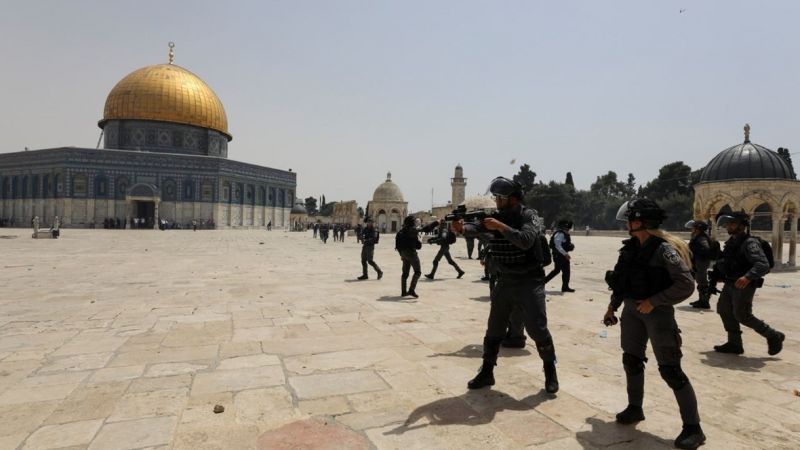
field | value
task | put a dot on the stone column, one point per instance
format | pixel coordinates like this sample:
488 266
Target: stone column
777 241
155 213
793 240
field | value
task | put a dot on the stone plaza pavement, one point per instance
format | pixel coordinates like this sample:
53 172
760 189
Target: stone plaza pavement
120 339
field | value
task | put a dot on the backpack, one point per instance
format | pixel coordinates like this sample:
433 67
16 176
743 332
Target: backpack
451 238
541 251
767 249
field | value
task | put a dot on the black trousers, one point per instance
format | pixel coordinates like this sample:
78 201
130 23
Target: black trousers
410 261
527 295
562 266
735 308
658 327
444 250
367 252
470 246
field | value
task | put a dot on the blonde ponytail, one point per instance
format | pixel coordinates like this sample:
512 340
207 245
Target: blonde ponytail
676 242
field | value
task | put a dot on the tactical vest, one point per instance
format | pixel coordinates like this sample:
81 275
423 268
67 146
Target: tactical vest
698 252
734 260
566 245
640 279
501 250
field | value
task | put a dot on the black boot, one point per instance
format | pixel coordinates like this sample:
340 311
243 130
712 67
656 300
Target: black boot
631 414
700 304
403 290
363 277
775 343
729 347
429 276
460 273
691 437
413 294
380 274
550 378
567 289
484 378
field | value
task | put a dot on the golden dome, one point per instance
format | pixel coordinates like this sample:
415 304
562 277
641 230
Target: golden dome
168 93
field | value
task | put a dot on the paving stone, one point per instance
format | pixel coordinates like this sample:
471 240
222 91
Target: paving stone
165 355
64 435
32 394
265 408
24 418
160 383
135 434
87 402
244 362
237 380
82 362
149 404
166 369
330 406
324 385
116 374
234 349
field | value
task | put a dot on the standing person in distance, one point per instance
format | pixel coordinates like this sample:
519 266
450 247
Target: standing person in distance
516 253
702 248
407 242
742 268
369 238
561 244
652 275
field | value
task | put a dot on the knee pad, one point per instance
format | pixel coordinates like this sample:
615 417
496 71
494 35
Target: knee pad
633 364
674 376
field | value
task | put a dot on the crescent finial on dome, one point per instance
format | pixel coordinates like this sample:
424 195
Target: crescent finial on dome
746 132
388 176
171 52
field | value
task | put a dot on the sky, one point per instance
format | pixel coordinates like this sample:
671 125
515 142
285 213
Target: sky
343 91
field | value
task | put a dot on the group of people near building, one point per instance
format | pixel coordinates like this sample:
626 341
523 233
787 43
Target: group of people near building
324 231
654 272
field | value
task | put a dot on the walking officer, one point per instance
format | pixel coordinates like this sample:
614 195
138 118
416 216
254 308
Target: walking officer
407 243
516 255
369 238
742 268
561 244
702 253
445 238
652 275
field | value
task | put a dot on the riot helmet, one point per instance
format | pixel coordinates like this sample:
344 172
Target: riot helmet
409 222
647 211
503 187
699 224
740 217
564 224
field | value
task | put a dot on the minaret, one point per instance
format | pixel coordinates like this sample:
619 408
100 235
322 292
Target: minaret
459 184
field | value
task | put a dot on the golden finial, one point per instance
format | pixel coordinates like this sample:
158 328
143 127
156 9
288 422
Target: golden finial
746 132
171 52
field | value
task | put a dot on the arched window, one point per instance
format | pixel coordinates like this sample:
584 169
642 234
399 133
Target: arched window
121 190
79 183
59 182
226 191
188 189
101 186
169 190
207 191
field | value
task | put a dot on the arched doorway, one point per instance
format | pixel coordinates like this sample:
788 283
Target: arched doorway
142 202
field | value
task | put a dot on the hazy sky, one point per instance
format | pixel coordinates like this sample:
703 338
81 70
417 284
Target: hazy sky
343 91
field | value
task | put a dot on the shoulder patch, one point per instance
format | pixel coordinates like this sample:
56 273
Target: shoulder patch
753 246
671 256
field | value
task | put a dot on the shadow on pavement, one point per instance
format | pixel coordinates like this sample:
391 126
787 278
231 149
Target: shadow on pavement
694 310
397 298
613 435
735 362
477 407
485 298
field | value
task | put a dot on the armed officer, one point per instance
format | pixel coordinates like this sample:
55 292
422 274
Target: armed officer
742 269
651 275
407 243
561 244
369 238
516 256
445 238
702 252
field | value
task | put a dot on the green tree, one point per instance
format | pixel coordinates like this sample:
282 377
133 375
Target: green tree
608 186
360 212
673 178
630 186
327 208
526 177
311 205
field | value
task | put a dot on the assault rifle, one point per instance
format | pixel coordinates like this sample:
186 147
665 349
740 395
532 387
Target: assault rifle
461 213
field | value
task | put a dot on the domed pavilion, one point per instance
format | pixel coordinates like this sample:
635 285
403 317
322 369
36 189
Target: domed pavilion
757 180
387 207
165 157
